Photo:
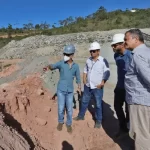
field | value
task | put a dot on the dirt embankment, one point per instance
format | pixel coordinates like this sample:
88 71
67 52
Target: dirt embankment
31 112
9 138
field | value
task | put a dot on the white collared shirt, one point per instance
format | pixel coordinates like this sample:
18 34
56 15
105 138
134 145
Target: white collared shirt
96 71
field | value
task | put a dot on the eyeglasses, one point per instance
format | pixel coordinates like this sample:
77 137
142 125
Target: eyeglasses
93 51
67 54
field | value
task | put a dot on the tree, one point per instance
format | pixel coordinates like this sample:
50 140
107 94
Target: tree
53 26
44 26
28 26
37 27
3 29
118 20
9 30
101 14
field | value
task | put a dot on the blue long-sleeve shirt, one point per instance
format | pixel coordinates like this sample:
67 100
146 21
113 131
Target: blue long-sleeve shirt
67 75
122 62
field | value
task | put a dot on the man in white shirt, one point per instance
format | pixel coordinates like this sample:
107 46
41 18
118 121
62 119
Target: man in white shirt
96 73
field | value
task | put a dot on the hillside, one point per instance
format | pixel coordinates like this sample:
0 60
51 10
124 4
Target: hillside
100 20
26 93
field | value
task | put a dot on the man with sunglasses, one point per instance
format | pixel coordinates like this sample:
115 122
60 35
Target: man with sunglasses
96 73
68 70
123 58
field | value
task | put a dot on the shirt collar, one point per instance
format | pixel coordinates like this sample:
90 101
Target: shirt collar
140 46
97 58
125 51
67 63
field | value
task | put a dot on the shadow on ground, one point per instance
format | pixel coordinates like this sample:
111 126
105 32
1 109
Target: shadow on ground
66 146
110 125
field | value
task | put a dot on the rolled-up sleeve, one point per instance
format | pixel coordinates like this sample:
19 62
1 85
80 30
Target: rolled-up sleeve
78 78
56 65
106 73
142 66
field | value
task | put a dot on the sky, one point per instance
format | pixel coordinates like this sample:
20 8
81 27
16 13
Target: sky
18 12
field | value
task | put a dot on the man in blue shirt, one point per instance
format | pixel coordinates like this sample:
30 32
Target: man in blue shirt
122 57
68 70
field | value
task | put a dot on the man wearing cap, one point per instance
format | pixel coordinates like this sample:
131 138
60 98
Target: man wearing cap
68 70
123 58
96 73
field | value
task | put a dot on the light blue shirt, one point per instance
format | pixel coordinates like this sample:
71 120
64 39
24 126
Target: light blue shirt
137 78
96 71
67 75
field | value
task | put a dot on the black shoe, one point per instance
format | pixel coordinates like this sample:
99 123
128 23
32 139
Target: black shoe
69 128
78 118
59 126
97 125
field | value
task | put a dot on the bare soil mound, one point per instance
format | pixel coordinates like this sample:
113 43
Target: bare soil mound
31 112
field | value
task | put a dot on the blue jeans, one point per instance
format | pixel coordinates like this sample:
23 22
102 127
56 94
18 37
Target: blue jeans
65 99
87 95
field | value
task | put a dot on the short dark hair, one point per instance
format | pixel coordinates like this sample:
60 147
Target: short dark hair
136 33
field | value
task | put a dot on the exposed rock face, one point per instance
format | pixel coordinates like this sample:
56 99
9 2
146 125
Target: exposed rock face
34 116
11 139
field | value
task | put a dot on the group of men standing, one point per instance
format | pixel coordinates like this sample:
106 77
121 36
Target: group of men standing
133 85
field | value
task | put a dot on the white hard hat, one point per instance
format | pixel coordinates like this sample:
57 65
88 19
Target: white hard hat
94 46
118 38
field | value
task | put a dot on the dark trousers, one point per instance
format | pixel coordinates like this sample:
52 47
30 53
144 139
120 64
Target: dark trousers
119 101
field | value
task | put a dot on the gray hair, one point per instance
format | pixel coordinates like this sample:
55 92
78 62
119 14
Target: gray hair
136 33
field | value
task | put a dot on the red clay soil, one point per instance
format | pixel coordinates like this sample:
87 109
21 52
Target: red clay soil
31 106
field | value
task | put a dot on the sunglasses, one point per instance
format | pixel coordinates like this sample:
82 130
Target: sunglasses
67 54
93 51
115 45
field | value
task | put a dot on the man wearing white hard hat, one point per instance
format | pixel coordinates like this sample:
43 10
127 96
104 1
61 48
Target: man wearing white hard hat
123 58
96 73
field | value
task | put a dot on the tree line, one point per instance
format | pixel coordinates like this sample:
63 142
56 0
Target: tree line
99 20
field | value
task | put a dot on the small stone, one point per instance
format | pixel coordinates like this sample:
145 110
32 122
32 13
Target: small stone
4 90
40 92
40 121
47 109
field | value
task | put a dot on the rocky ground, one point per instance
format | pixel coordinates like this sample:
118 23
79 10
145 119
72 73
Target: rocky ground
28 116
42 45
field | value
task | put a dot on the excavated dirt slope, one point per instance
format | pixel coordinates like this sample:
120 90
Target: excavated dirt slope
31 112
